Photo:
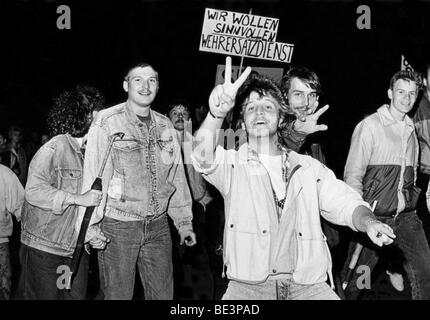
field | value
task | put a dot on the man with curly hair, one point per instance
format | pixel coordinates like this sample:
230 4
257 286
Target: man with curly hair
53 195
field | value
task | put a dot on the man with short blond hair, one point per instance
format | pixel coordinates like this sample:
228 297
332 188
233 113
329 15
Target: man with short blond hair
143 181
381 166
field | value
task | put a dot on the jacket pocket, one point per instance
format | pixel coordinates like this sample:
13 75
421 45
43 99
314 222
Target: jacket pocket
60 229
130 171
248 250
313 260
380 183
369 189
69 180
128 154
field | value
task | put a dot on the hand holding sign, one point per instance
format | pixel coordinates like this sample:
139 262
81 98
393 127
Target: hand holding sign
223 96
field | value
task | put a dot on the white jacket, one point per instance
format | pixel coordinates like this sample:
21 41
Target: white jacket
254 241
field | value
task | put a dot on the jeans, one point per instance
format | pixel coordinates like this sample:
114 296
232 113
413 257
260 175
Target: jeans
5 272
39 278
146 243
422 210
410 248
279 289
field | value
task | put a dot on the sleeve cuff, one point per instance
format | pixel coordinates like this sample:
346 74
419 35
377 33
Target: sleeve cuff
209 168
59 199
351 208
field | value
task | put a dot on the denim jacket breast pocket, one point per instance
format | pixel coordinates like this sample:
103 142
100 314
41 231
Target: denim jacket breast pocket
130 166
69 179
168 147
127 155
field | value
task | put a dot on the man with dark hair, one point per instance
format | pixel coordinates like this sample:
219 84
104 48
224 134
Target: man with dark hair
143 180
3 149
422 125
53 195
180 115
302 88
381 166
16 157
274 245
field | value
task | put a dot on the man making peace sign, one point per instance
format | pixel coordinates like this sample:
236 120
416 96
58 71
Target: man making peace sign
274 247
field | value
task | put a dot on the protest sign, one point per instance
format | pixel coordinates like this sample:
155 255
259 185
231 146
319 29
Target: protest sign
241 34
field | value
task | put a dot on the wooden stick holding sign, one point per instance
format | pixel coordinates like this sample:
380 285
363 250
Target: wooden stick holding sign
242 57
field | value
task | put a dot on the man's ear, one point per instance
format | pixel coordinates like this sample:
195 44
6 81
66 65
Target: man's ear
242 125
425 82
390 94
125 85
281 118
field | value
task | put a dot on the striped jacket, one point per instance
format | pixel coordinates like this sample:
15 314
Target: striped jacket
382 162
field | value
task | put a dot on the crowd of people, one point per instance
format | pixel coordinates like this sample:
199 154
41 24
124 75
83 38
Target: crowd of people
240 187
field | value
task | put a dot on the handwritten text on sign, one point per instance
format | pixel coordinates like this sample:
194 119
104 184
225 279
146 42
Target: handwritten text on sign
242 34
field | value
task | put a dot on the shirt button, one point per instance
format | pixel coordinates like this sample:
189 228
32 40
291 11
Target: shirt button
232 225
274 271
264 231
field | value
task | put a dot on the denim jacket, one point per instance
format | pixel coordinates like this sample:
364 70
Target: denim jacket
144 174
55 173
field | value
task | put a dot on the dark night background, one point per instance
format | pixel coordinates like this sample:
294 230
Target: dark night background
39 61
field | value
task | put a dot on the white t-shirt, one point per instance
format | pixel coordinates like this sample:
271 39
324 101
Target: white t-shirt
273 165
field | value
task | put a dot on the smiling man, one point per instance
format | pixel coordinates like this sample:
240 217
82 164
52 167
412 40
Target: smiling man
381 166
274 245
302 88
143 180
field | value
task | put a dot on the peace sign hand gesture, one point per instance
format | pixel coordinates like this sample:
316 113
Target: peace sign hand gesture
223 96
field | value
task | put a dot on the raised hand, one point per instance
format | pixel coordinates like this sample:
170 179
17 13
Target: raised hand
223 96
308 124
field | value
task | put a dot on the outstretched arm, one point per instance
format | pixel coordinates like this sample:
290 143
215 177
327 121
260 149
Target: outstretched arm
365 221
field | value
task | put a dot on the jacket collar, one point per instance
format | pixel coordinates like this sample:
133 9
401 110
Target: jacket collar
132 118
387 118
74 143
291 158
